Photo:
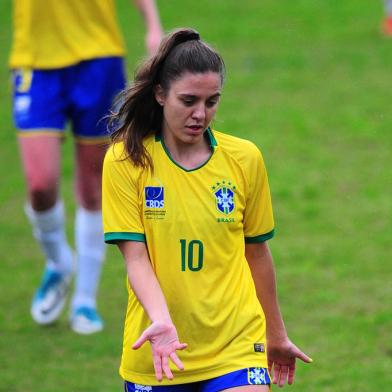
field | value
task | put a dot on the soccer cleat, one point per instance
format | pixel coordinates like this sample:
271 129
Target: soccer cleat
49 299
86 320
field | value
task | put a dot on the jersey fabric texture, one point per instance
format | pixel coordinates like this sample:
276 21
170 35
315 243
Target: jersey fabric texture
54 34
195 224
43 100
250 376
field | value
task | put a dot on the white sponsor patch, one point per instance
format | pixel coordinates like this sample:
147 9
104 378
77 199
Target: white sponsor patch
22 104
142 388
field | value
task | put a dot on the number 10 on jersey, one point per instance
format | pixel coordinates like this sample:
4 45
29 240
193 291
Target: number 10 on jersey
191 255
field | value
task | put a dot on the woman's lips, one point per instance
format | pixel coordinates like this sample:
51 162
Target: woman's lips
195 128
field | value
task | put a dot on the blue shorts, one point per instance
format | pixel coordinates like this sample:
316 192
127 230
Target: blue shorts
82 94
248 376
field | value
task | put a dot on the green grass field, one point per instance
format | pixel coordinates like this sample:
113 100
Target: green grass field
310 82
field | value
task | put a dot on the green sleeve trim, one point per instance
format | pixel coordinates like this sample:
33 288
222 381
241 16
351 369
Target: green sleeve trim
112 238
260 238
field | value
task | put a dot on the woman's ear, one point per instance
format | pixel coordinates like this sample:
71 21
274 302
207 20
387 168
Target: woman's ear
159 94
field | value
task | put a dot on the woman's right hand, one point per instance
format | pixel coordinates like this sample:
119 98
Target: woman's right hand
164 344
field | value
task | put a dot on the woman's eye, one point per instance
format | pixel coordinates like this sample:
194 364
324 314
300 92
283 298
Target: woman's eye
210 104
188 102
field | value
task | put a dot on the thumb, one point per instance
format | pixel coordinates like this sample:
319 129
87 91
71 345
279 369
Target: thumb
142 339
303 357
181 346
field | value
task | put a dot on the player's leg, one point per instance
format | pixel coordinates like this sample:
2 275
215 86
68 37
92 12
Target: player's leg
96 83
40 154
37 118
40 158
88 237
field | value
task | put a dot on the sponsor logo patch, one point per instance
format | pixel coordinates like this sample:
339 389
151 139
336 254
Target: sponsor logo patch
142 388
154 196
22 104
259 347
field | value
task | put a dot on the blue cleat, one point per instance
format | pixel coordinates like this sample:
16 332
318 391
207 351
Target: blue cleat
85 320
49 299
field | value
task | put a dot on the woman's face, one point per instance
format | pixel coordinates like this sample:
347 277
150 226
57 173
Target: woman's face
189 105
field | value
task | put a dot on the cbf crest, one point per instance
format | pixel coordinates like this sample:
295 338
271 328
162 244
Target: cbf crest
224 193
258 376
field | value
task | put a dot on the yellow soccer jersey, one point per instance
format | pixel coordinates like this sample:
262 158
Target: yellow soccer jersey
195 224
53 34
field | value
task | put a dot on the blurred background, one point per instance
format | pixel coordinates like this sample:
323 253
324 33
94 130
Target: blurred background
309 81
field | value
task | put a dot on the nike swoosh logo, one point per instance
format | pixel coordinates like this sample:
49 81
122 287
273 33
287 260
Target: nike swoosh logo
59 294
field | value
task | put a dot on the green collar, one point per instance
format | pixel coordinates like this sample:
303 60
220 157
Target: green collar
211 142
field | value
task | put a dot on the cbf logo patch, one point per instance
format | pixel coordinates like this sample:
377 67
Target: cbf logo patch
142 388
258 376
224 196
154 196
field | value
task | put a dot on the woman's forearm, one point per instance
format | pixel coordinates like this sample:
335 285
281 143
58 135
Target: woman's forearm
144 282
261 265
150 14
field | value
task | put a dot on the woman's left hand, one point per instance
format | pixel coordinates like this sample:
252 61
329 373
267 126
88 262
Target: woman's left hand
281 361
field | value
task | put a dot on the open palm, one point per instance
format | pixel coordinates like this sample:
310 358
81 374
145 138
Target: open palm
164 344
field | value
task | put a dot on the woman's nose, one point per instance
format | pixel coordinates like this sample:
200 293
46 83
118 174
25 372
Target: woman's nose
199 112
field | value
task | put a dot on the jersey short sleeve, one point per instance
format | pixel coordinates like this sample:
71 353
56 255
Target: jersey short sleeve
121 207
258 215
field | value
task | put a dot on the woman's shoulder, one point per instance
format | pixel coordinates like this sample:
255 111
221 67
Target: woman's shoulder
116 152
235 146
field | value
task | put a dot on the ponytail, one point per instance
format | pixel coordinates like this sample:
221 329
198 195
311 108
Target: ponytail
139 114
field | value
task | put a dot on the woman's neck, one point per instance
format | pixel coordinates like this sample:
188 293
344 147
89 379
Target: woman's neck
187 155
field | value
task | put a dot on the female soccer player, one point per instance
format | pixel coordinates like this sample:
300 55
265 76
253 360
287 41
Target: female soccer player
190 209
67 63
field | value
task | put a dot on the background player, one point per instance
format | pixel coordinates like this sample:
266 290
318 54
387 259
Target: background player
67 62
190 210
387 24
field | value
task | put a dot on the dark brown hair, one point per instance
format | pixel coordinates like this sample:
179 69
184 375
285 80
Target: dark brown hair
139 114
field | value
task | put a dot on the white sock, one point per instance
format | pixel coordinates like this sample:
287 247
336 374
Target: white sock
90 249
48 229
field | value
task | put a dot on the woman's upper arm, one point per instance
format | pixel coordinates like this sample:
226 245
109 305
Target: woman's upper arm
133 250
256 251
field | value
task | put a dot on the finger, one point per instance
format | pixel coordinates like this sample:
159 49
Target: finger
303 357
176 361
275 377
158 367
283 375
166 368
142 339
270 367
290 378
